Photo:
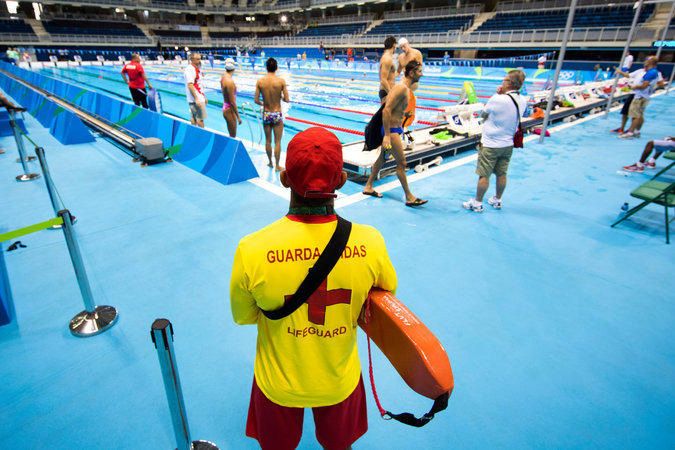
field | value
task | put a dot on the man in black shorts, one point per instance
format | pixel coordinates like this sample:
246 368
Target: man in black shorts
136 81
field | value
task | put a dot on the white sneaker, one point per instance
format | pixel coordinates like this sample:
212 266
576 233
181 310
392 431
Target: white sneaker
627 135
473 205
495 202
650 165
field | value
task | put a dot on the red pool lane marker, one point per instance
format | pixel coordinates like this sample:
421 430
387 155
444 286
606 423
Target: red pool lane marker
437 99
335 108
424 122
429 108
446 99
330 127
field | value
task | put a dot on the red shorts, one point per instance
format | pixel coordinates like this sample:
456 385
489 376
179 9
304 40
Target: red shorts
280 427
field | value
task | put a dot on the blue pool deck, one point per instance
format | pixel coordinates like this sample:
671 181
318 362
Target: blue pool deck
559 328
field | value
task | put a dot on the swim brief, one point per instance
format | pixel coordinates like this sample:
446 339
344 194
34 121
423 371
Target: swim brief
396 130
226 106
272 117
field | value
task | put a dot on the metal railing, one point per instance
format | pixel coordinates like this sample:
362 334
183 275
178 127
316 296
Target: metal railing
157 5
604 34
553 4
427 13
74 39
336 20
18 37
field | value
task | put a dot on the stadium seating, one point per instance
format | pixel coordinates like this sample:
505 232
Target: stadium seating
333 30
617 16
15 26
178 33
404 27
98 28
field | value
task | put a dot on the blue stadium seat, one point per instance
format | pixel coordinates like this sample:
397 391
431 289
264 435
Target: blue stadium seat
333 30
99 28
403 27
15 26
607 16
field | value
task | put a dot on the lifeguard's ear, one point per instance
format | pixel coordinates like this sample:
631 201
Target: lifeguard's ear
343 180
284 179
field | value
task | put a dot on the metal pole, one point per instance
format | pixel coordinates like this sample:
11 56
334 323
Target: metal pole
636 16
27 176
94 319
161 333
558 66
665 30
57 205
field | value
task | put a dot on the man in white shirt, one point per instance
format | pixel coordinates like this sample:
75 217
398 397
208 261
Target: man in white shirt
193 90
541 62
643 89
633 77
627 63
496 145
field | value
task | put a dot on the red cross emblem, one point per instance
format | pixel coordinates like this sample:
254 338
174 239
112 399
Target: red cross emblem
321 299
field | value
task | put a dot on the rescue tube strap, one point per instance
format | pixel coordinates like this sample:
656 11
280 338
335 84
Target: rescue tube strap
319 272
407 418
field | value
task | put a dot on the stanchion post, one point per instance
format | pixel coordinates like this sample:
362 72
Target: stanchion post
27 176
636 16
51 188
558 67
56 202
162 336
94 319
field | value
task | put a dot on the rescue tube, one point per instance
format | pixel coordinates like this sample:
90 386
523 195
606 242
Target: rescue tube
414 351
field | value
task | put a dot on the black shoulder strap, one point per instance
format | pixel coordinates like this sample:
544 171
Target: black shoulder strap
323 266
517 108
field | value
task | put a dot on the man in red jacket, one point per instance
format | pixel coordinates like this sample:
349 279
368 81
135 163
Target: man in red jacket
136 80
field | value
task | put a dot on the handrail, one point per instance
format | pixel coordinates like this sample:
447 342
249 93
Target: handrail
159 5
337 20
427 13
520 5
588 34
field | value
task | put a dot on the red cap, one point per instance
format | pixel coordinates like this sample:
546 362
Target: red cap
314 163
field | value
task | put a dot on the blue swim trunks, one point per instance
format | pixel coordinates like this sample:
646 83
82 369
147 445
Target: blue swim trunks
396 130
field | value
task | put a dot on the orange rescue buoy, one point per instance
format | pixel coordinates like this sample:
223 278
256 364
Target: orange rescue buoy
410 346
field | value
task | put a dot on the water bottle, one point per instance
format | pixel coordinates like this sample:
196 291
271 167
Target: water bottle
624 207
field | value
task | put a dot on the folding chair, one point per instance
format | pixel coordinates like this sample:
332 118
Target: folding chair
657 192
671 157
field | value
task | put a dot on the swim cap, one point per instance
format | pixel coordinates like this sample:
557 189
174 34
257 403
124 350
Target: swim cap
229 64
314 163
402 42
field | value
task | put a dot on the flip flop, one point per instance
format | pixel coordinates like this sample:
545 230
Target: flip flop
416 202
372 194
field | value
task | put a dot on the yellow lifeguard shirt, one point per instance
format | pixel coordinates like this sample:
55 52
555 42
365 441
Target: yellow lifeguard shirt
309 358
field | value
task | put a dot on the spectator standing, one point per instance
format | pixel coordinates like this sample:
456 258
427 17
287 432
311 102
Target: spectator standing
193 90
496 146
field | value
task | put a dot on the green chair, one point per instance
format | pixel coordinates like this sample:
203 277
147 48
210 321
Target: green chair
670 156
657 192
